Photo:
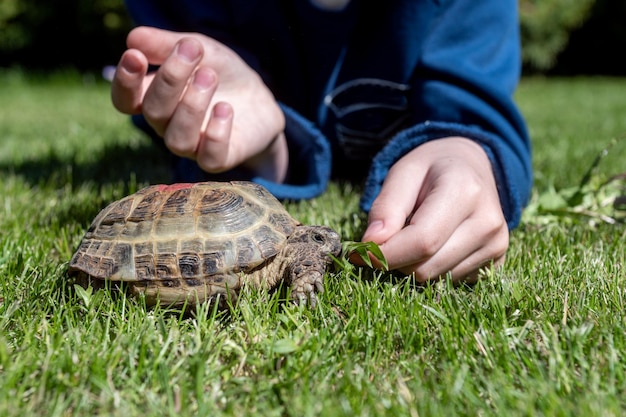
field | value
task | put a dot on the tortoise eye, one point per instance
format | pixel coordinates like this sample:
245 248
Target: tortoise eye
318 238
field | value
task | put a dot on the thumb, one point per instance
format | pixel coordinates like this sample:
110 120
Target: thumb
386 218
390 210
393 205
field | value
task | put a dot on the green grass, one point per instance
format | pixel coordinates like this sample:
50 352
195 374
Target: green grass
545 335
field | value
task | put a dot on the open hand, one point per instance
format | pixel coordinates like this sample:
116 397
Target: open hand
204 100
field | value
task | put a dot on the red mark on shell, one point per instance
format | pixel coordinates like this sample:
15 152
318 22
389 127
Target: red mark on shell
174 187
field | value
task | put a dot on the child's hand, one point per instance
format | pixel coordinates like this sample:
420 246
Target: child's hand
204 100
439 212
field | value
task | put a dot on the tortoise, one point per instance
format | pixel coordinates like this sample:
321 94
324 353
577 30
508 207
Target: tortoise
185 243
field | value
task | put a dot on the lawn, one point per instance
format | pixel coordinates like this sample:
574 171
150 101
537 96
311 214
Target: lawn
544 335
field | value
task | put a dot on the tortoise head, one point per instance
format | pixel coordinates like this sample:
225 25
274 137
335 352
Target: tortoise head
320 239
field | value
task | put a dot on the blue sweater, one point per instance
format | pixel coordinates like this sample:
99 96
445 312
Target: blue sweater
363 86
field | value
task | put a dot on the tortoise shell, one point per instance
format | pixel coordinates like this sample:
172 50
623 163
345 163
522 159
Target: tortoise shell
167 240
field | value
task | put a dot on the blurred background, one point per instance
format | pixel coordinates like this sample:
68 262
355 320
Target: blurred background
560 37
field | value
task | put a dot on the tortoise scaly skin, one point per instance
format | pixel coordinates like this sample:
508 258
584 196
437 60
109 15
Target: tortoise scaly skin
186 243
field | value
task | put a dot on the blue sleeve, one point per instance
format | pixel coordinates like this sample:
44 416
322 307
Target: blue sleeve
464 84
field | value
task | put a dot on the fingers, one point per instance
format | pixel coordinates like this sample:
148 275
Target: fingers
177 102
146 45
197 133
214 150
464 253
391 209
128 82
183 132
415 213
433 224
170 82
475 243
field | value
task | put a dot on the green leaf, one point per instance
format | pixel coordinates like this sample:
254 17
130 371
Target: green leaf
84 294
551 200
593 199
284 346
364 249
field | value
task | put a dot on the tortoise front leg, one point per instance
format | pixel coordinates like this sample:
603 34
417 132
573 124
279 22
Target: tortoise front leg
307 279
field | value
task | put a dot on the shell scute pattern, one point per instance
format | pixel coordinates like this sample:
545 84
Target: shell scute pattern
117 213
189 265
219 201
145 267
214 263
166 246
194 240
227 214
147 208
177 203
166 266
144 248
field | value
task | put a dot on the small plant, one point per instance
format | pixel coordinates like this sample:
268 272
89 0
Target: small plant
595 198
363 250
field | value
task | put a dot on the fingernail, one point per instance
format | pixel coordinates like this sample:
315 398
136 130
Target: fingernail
373 228
188 50
204 79
131 66
222 111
